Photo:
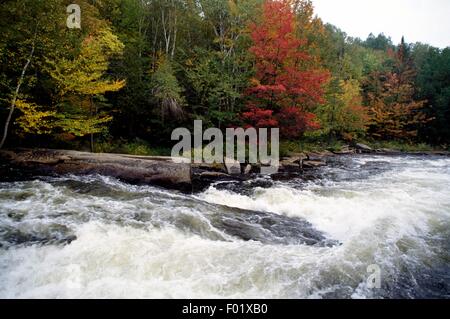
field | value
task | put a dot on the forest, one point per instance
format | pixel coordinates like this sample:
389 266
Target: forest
137 69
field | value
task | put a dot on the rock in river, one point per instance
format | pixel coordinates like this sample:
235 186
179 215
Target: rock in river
269 228
162 171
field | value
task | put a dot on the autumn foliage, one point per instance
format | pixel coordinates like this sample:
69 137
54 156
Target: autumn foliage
137 70
284 89
394 111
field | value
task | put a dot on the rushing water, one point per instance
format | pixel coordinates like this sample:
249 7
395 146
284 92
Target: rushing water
310 237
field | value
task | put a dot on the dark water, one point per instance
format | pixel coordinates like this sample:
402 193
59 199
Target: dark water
309 237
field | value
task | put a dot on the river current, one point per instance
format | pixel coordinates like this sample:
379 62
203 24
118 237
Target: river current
313 236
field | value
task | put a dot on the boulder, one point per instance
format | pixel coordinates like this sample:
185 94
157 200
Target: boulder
313 163
290 164
298 156
387 151
232 166
313 156
325 153
213 175
267 228
439 153
214 167
346 150
248 169
290 160
364 148
289 167
174 173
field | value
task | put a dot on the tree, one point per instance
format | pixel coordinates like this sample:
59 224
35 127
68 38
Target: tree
216 90
284 85
261 63
166 91
27 27
81 80
433 85
33 119
219 75
394 111
17 91
380 42
343 116
132 21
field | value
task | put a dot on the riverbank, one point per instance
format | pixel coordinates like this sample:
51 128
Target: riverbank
147 170
167 173
305 145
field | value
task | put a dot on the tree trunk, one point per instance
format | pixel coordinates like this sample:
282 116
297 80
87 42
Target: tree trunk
16 93
175 29
92 143
92 115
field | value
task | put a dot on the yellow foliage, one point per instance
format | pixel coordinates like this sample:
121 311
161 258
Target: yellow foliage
234 10
83 77
32 120
82 125
85 74
353 113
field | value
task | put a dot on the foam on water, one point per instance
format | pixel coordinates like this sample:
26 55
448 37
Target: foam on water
143 242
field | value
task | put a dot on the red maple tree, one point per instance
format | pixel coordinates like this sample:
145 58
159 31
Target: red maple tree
284 88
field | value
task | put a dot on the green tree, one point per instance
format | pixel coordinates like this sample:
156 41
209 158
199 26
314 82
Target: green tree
167 92
343 116
380 42
433 85
217 98
28 31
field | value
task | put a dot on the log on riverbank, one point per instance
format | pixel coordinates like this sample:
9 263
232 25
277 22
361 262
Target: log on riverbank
160 171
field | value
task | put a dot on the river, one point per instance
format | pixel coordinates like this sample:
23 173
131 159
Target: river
313 236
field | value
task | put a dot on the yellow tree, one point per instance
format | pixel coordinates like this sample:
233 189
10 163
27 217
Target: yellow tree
353 116
34 120
81 81
343 115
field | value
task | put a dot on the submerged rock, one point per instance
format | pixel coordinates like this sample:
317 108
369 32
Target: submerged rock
244 187
202 179
387 151
53 234
269 228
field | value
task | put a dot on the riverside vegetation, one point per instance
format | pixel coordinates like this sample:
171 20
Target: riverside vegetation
138 69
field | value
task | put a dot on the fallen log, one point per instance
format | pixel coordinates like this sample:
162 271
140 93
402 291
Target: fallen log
150 170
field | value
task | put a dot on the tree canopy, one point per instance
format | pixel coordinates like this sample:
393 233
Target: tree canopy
138 69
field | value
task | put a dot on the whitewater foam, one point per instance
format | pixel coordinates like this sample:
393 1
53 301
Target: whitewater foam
144 242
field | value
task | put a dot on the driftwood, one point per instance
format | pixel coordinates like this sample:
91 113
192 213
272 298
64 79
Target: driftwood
161 171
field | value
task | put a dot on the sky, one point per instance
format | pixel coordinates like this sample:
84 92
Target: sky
426 21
